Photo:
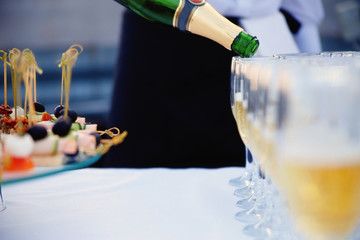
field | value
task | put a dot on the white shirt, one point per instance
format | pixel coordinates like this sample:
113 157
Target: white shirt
309 13
305 11
246 8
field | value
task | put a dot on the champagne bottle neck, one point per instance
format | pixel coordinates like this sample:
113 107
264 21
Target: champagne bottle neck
207 22
198 17
245 45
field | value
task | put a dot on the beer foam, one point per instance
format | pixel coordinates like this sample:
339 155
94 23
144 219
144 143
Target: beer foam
319 145
239 96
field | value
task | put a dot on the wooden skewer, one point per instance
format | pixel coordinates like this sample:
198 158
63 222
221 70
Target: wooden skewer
34 78
14 56
26 81
5 83
5 76
62 85
32 114
67 62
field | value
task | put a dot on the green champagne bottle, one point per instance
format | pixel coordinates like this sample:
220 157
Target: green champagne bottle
198 17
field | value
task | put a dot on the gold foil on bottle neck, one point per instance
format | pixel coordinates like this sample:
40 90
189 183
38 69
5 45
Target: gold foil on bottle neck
207 22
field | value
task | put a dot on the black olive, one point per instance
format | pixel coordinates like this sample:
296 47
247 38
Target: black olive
72 114
97 137
37 132
39 107
62 126
57 110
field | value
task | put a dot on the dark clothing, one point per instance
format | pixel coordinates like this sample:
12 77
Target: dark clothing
172 96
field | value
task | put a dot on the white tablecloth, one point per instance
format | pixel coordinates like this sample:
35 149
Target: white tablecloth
126 204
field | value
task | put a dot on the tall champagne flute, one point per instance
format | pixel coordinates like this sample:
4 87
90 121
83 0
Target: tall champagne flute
240 109
264 104
243 181
246 120
265 108
241 105
318 147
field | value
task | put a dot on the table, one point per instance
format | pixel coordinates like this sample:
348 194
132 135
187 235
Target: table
155 203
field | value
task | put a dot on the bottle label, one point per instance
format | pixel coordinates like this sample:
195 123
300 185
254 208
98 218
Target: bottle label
184 12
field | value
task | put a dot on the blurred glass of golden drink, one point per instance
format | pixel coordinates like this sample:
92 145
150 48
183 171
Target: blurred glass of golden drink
323 194
268 158
240 115
257 141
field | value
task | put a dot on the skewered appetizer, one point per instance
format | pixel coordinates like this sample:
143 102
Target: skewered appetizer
31 136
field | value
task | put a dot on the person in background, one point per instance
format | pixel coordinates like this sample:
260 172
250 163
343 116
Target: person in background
171 90
304 18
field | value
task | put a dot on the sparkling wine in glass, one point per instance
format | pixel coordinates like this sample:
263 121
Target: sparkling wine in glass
318 147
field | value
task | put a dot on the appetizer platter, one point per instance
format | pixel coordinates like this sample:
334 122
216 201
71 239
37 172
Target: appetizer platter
35 142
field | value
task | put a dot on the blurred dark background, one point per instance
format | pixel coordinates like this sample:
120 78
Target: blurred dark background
49 27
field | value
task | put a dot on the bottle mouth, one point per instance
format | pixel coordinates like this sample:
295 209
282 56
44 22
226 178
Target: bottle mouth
245 45
252 47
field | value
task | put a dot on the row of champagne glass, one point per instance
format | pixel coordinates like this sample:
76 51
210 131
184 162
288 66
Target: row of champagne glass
299 117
